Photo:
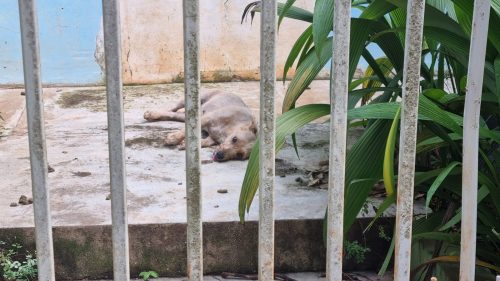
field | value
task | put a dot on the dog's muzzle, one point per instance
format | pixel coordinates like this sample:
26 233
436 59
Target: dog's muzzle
218 156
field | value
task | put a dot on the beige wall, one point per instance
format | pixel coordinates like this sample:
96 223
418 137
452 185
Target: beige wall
152 40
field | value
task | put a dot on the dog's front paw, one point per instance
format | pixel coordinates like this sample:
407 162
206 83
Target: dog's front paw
174 138
150 115
182 145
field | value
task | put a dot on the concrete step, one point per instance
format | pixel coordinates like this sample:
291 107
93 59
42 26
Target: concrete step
299 276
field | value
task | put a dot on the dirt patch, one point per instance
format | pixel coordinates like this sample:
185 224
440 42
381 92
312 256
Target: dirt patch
144 141
3 132
95 99
81 174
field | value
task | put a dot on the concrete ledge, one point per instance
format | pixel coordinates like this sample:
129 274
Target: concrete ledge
85 252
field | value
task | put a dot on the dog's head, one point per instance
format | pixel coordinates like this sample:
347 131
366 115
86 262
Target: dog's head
237 145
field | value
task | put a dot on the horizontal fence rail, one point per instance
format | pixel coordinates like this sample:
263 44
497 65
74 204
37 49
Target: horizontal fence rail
338 133
36 135
472 110
267 137
338 138
408 138
116 136
193 131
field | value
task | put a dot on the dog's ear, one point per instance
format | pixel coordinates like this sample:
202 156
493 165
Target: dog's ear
253 128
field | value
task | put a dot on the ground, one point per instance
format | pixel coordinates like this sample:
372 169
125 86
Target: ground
77 152
76 132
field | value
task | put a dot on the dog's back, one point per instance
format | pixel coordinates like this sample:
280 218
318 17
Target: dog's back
224 101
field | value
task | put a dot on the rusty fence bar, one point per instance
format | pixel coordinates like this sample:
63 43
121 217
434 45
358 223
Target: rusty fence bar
111 24
408 137
267 136
338 134
36 135
472 109
193 180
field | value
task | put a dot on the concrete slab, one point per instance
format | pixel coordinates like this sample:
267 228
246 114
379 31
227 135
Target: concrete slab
76 132
77 151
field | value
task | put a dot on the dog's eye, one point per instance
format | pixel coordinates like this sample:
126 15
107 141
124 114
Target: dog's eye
235 139
239 155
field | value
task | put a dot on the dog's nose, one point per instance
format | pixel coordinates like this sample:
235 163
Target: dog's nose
219 155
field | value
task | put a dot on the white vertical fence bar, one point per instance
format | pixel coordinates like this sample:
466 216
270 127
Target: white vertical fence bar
193 180
36 135
472 109
267 136
338 134
112 45
408 137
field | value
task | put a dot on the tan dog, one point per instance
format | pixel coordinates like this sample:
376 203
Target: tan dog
226 121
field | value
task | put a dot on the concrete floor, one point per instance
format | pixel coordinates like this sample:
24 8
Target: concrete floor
76 132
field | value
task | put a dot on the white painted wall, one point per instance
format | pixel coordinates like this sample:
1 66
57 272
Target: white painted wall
152 43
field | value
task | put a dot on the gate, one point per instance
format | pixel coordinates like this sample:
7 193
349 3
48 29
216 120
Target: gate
338 128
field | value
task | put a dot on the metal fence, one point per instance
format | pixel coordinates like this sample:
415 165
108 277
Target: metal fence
338 127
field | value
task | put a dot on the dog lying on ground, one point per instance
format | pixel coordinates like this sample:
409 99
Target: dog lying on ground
226 122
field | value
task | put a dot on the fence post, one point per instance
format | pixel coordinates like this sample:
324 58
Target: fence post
408 137
267 139
193 180
36 135
116 137
338 134
472 110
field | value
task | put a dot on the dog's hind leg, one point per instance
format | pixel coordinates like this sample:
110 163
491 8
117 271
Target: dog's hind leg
164 116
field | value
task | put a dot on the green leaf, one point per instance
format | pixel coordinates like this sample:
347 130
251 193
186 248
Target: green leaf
435 142
435 185
286 124
285 8
294 12
369 150
375 67
388 256
453 259
296 50
435 94
377 9
465 8
355 83
448 237
305 74
309 68
389 155
481 194
322 23
497 77
287 11
389 200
